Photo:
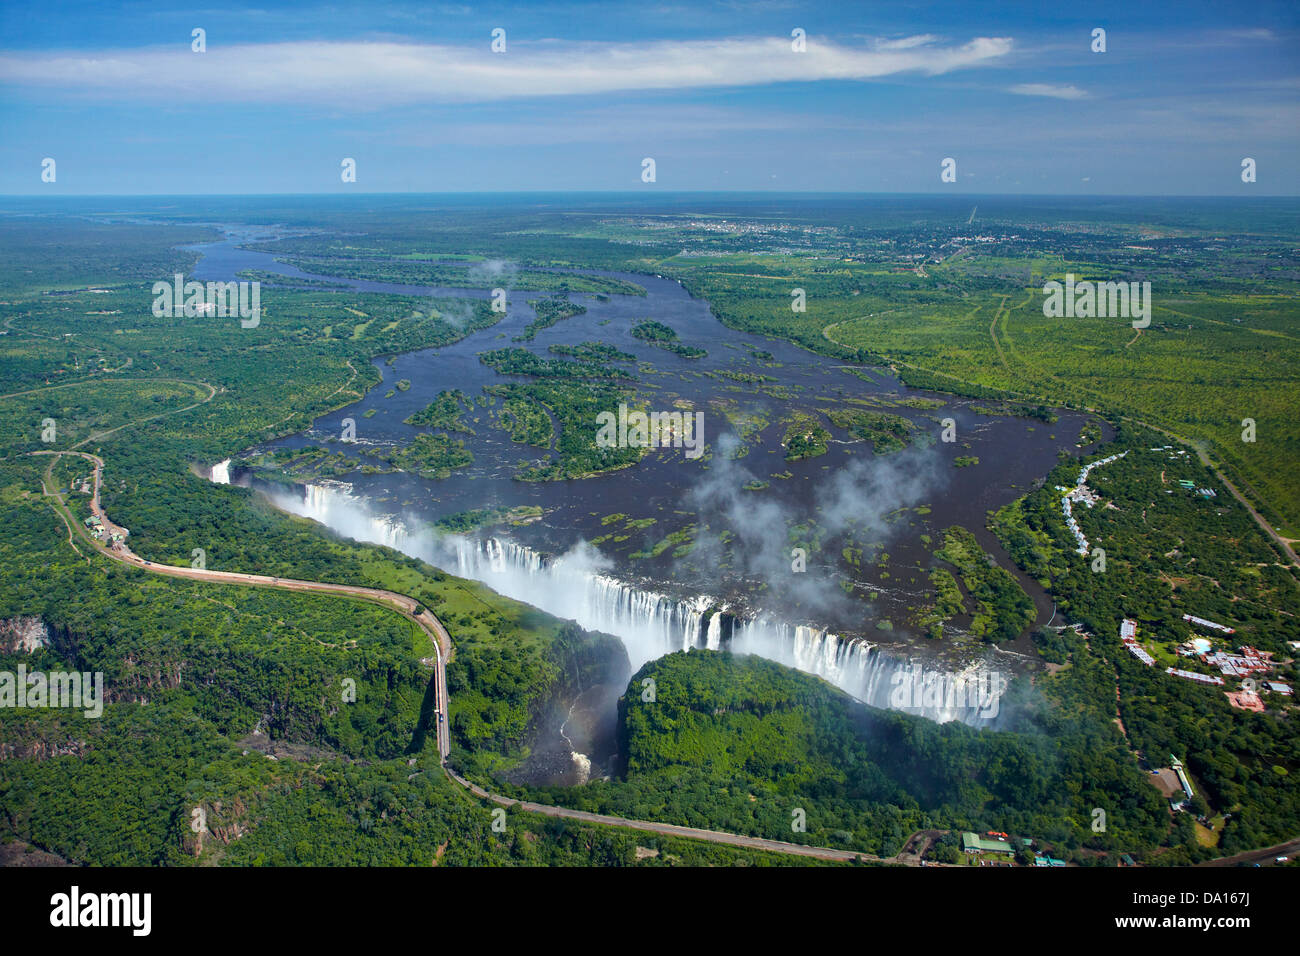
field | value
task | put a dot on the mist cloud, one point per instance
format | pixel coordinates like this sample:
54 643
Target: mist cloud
855 497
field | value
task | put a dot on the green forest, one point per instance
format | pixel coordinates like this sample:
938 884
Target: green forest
205 683
298 724
740 743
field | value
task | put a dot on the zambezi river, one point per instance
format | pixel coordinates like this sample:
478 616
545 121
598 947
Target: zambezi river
733 576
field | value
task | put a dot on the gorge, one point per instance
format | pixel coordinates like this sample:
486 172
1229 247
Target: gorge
651 622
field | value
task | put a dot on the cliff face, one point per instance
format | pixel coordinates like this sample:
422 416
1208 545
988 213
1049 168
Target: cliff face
18 853
213 826
571 735
139 675
40 748
587 658
23 635
28 738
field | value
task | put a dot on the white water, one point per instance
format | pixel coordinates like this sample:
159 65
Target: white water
221 472
581 762
713 639
650 624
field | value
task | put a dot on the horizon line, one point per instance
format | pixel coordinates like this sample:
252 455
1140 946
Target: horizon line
636 192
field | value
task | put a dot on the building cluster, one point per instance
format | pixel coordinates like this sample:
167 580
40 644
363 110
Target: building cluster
1081 492
1244 664
1180 455
1248 698
99 533
1247 663
96 528
999 849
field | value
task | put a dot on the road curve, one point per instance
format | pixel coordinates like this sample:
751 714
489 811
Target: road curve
427 620
407 606
1260 520
1283 543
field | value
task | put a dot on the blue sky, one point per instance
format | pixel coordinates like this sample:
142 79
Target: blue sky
712 91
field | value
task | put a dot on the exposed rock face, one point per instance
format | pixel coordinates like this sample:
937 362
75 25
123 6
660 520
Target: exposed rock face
17 853
23 635
221 822
38 748
139 674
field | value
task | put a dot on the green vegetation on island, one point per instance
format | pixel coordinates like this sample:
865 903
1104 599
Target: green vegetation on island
658 334
1002 609
549 312
444 412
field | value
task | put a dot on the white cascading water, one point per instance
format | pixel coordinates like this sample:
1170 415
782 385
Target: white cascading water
713 639
221 473
652 624
333 505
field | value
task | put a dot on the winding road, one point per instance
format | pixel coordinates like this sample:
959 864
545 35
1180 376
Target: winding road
408 607
422 616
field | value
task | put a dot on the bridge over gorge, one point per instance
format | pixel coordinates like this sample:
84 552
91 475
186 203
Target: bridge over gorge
429 622
411 609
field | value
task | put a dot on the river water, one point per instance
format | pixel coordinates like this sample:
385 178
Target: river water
887 510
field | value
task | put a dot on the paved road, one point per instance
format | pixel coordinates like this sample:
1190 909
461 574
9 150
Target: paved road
442 649
1268 529
407 606
1272 532
1208 463
669 829
1264 857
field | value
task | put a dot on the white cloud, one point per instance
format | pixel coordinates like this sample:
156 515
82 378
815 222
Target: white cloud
369 74
907 43
1048 89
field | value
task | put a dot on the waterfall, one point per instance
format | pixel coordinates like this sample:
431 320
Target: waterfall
333 505
221 473
713 639
650 623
